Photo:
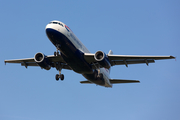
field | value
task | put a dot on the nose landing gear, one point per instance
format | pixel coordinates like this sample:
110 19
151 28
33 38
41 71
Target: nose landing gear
59 67
61 76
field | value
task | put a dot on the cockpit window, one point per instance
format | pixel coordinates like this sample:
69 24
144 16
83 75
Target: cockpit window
56 23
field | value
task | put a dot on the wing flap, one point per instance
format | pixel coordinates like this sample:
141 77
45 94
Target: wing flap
116 81
29 64
122 62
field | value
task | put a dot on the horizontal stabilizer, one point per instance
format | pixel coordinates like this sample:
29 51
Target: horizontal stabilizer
115 81
85 82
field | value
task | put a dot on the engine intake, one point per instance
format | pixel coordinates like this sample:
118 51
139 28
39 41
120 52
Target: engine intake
102 59
42 61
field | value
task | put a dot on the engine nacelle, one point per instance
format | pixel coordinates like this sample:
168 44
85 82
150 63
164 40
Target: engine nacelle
42 61
102 59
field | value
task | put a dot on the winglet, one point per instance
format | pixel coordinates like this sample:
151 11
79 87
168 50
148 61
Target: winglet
173 57
110 52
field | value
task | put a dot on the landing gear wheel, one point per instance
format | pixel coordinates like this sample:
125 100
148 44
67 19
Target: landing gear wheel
56 53
62 77
57 77
59 67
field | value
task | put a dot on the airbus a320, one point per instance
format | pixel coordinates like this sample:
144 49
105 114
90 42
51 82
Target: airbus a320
71 54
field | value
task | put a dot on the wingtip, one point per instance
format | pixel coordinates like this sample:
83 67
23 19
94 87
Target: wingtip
110 52
172 57
136 81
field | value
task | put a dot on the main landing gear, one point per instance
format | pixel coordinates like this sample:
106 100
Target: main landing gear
58 65
56 53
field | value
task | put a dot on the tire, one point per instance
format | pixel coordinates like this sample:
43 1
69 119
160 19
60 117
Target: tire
62 77
54 53
57 77
57 54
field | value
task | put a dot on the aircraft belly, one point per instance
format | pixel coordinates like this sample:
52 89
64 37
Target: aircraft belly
78 65
71 55
93 78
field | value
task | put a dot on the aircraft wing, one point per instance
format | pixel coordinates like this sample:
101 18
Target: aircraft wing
31 62
126 59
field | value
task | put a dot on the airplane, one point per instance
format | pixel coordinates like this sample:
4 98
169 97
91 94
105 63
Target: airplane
71 54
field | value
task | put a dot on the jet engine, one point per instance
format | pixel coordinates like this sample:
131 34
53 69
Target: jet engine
102 59
42 61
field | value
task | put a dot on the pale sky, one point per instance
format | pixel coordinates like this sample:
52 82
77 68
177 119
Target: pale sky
129 27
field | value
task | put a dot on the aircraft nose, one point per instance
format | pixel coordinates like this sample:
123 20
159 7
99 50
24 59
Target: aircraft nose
54 36
50 33
51 29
